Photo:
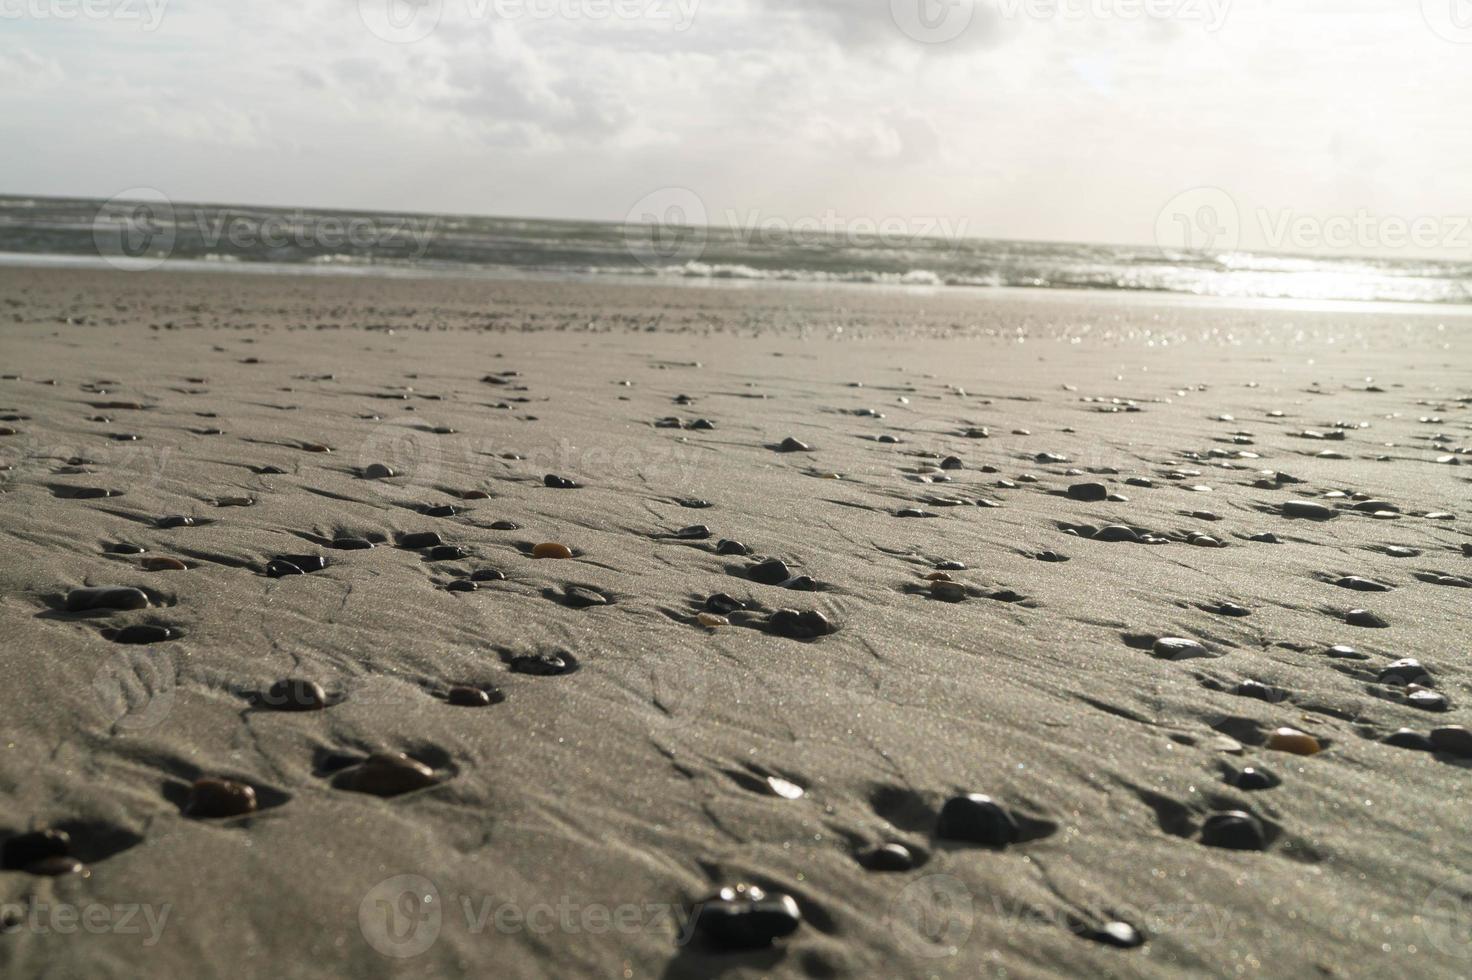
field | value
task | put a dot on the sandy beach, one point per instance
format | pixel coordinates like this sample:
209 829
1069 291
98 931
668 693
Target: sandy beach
1164 532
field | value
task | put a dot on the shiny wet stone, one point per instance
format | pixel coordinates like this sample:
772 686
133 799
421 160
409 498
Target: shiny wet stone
294 694
1090 492
746 917
546 664
888 857
386 774
771 572
26 849
723 604
1234 830
218 798
142 633
728 547
1366 619
106 597
446 552
420 539
805 625
976 819
556 482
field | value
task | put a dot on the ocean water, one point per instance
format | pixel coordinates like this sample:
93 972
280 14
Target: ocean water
145 232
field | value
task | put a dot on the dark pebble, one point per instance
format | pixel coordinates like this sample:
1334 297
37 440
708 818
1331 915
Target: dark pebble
351 544
106 597
505 526
695 532
801 583
728 547
888 857
951 463
1253 779
1453 740
488 575
143 633
1231 609
560 482
23 850
420 539
1360 584
797 625
695 503
439 510
294 694
468 697
976 819
1428 700
462 585
702 425
1120 935
377 471
388 774
446 552
746 917
1115 532
1404 672
581 598
950 566
126 549
1406 738
1267 537
1091 492
1052 556
57 867
791 445
281 569
774 571
1234 830
175 520
1365 618
544 664
723 604
213 798
1261 691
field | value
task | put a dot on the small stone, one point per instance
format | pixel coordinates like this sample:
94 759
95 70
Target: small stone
1091 492
281 569
746 917
1406 738
1428 700
728 547
801 583
163 563
294 694
1360 584
1267 537
126 549
420 539
378 471
711 620
1261 691
977 432
235 502
791 445
462 585
306 563
106 597
351 544
143 633
797 625
695 532
1050 556
1453 740
1177 648
1307 510
439 510
948 591
1405 672
1252 779
387 774
1366 619
774 571
1115 532
582 598
976 819
556 482
23 850
468 697
488 575
173 521
505 526
723 604
552 550
1234 830
1120 935
544 664
215 798
1399 551
446 552
888 857
951 463
1342 652
1293 741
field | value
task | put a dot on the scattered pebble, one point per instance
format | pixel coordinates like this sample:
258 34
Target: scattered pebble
746 917
106 597
1234 830
1293 741
217 798
976 819
552 550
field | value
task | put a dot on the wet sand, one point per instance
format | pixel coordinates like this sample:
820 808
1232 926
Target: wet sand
618 747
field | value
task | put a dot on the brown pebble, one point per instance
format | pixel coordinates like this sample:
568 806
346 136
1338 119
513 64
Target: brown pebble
162 563
211 798
390 774
711 620
1293 741
551 550
58 866
468 697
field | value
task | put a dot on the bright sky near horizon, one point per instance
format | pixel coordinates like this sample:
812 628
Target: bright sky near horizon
1335 126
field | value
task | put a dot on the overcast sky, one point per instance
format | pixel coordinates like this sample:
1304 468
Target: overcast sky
1007 118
